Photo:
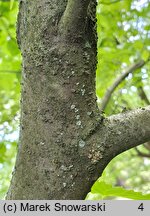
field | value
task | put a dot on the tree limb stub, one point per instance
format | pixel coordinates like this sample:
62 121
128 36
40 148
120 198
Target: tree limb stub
127 130
73 20
118 80
115 135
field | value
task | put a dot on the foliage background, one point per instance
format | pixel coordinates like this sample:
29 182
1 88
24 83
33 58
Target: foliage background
123 38
10 60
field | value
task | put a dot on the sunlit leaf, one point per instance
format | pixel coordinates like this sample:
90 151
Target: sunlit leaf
106 190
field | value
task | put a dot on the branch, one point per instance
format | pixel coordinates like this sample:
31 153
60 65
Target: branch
143 95
118 80
147 145
73 20
126 130
142 154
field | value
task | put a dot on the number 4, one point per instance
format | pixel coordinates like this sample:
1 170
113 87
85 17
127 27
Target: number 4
141 207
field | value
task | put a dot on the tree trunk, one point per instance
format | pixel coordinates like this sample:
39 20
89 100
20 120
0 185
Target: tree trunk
64 142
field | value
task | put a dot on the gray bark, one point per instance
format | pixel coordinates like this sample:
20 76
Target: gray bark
64 142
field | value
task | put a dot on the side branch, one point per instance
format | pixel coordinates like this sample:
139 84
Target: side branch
127 130
143 95
142 154
73 20
118 80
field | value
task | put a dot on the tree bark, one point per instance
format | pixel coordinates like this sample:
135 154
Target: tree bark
64 142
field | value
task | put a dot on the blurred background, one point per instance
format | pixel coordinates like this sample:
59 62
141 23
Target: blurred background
123 28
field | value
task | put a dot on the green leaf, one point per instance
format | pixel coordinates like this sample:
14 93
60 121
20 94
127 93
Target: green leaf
145 55
105 190
12 47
